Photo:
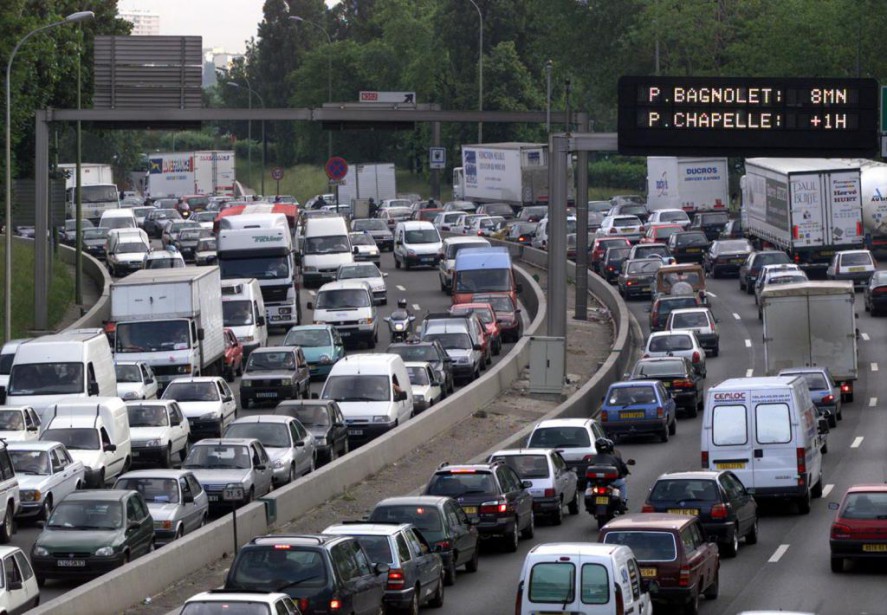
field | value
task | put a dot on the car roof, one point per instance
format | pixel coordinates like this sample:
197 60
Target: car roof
417 364
633 383
513 452
345 285
693 475
575 549
262 418
691 310
155 473
197 379
105 495
868 487
295 540
668 333
578 422
31 445
225 442
274 349
649 521
366 529
414 500
465 468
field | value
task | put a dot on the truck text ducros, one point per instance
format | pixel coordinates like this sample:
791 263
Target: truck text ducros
691 184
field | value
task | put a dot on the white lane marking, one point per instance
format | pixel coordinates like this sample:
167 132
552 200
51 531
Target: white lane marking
748 343
857 442
827 489
874 367
873 402
711 294
737 316
416 307
401 288
777 555
749 372
865 336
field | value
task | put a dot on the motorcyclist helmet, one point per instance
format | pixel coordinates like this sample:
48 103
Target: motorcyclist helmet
603 445
401 304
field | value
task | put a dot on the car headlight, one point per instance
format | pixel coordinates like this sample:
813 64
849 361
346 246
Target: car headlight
381 418
418 397
183 369
320 440
325 359
365 321
285 383
246 338
130 395
30 495
462 360
40 552
162 524
245 384
154 443
279 463
104 551
308 268
210 415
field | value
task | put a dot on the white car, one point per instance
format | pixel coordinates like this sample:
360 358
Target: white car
169 258
446 220
219 603
365 248
19 423
206 401
135 380
289 444
369 273
463 223
159 432
768 271
46 473
669 216
629 227
7 356
554 485
426 387
677 344
701 322
572 438
20 593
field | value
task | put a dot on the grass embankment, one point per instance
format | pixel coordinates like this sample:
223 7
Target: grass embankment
61 290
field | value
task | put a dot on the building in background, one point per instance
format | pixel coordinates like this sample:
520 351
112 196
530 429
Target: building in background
215 59
145 22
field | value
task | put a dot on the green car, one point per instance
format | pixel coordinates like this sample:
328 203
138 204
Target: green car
321 345
92 532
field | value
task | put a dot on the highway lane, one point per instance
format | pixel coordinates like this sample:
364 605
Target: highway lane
769 574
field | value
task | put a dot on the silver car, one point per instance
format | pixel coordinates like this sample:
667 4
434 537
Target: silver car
176 501
290 445
46 473
232 471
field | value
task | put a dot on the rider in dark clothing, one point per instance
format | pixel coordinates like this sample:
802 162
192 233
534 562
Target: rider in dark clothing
607 455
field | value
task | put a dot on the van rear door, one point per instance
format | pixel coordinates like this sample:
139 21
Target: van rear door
729 436
776 437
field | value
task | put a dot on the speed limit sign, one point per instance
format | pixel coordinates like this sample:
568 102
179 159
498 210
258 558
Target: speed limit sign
277 173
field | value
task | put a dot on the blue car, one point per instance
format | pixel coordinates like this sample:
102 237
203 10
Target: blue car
321 345
825 394
638 407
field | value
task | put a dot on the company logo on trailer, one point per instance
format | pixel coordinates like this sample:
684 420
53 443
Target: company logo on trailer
878 196
662 185
701 170
729 396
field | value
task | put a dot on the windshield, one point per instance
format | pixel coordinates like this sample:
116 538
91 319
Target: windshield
269 568
237 313
457 484
560 437
30 462
95 233
453 248
46 379
643 266
615 254
6 362
527 467
311 416
660 368
673 216
670 343
631 395
308 338
369 224
266 361
152 336
856 258
701 490
218 457
189 235
485 315
689 320
647 251
715 218
734 245
647 546
128 373
421 236
172 262
426 518
377 548
418 375
112 222
418 352
333 244
861 505
343 299
483 280
85 515
664 232
815 382
691 239
271 435
74 439
357 388
153 490
147 415
352 272
129 248
259 267
626 221
500 303
359 239
96 194
11 420
452 341
191 391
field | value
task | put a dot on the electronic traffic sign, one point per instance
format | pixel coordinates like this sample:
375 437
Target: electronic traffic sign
738 116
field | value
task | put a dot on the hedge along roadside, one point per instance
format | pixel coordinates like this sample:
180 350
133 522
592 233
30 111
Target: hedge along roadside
149 575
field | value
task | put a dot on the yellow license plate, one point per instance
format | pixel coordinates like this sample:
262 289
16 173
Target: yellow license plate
648 573
857 269
690 512
631 415
733 465
694 249
874 548
602 500
470 510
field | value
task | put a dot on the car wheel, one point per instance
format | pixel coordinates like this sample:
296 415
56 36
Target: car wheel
804 504
557 517
837 566
711 592
313 465
509 541
179 532
449 573
47 508
573 506
291 475
41 580
816 492
166 461
692 607
437 600
471 565
529 531
664 435
730 549
716 351
832 421
413 607
752 537
185 450
673 427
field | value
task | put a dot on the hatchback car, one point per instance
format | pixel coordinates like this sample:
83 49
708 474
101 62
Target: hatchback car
369 273
365 248
636 276
856 266
677 344
768 271
751 268
554 485
432 352
324 420
20 592
826 395
493 494
629 206
508 314
572 438
415 572
187 240
727 511
314 570
94 241
164 259
599 248
288 443
159 432
19 423
701 322
220 464
610 265
725 256
669 216
664 304
464 350
426 387
875 293
629 227
638 407
135 380
522 232
677 376
859 530
676 560
688 246
206 401
273 374
157 219
652 250
710 222
321 344
221 602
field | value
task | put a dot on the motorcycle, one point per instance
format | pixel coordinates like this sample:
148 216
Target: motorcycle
603 500
400 325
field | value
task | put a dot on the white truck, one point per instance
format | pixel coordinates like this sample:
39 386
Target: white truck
874 202
513 173
173 174
809 207
97 187
261 246
171 319
368 181
811 324
692 184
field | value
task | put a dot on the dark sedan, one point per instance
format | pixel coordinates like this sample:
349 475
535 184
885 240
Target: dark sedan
323 419
611 263
751 268
522 232
710 222
688 247
156 220
678 376
637 275
726 256
875 293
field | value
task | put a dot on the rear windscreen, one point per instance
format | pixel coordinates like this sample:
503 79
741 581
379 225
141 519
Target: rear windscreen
560 437
553 582
456 485
684 490
728 425
527 467
647 546
871 505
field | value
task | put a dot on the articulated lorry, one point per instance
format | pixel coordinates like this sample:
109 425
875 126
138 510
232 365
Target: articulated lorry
809 207
812 324
692 184
172 319
368 181
173 174
874 202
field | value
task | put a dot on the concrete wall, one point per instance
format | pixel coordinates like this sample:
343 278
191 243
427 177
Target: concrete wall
95 270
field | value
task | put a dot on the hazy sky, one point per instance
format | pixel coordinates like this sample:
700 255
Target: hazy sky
221 23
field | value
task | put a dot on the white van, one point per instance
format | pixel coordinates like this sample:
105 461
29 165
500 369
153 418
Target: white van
95 432
76 363
126 250
765 431
7 355
581 577
118 218
349 306
416 244
243 311
324 247
373 391
449 249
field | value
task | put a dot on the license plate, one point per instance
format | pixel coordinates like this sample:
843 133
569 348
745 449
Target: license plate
344 333
648 573
874 548
732 465
470 510
856 269
355 432
689 250
690 512
631 415
602 500
212 498
71 563
268 394
135 454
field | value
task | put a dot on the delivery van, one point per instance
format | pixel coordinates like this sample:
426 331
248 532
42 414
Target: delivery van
96 432
324 247
76 363
765 431
243 311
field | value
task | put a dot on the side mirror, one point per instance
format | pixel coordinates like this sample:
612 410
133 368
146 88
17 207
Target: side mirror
261 467
188 498
260 321
133 525
92 388
229 397
477 347
315 396
526 484
402 396
110 448
309 305
300 444
630 462
384 275
381 568
354 250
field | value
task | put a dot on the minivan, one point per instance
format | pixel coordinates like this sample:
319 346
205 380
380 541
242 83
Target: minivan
118 218
349 306
126 250
243 311
416 244
765 430
581 577
324 247
447 263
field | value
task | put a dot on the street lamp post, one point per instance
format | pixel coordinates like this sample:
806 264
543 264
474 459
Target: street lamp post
480 71
7 306
261 102
548 97
329 72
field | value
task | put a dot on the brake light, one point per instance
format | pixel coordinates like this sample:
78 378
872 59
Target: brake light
840 531
599 490
684 578
797 258
828 398
620 603
695 356
550 493
660 412
802 461
518 598
463 471
719 511
647 508
604 417
303 605
396 579
444 544
613 231
493 508
880 290
682 384
335 604
859 228
704 459
480 233
845 387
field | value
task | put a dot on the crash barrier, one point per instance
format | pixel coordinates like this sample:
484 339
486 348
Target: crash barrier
149 575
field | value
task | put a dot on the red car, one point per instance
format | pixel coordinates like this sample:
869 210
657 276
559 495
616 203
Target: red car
508 314
859 530
660 233
487 316
599 248
233 356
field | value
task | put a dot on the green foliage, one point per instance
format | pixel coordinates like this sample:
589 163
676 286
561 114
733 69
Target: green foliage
61 293
630 173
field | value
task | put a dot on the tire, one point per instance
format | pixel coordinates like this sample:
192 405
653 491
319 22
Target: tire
510 540
730 549
185 450
716 351
673 427
180 532
663 437
693 412
692 607
832 421
557 517
292 474
41 581
529 531
837 566
396 262
748 289
804 504
437 600
166 462
816 491
47 508
573 506
471 565
752 537
711 592
413 608
450 571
